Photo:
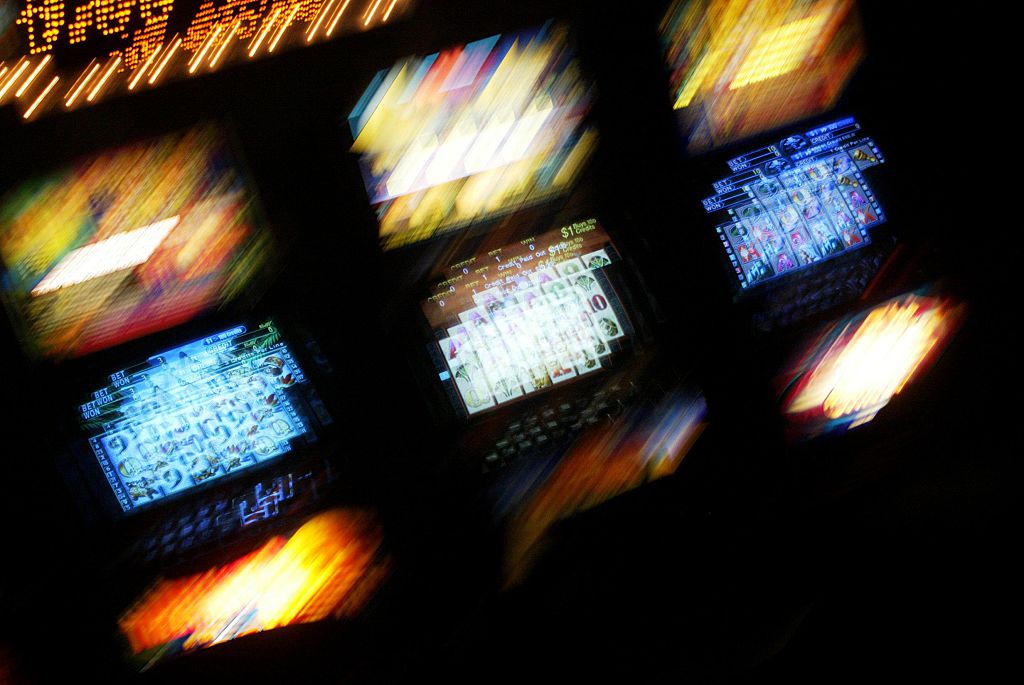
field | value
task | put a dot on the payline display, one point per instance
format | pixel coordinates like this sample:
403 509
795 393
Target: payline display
526 317
797 202
199 412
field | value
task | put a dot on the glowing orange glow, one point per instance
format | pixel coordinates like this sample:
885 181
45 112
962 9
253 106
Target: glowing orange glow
263 33
321 15
328 567
99 86
337 18
601 464
166 58
373 10
207 44
31 77
284 26
145 65
224 45
856 367
779 51
739 67
875 363
77 90
136 31
42 96
13 78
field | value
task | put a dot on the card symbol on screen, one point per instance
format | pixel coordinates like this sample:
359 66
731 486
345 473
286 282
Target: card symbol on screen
748 253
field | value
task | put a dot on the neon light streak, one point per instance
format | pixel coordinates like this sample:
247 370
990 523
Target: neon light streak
321 15
76 91
263 33
14 77
207 44
373 10
166 58
224 45
337 17
32 77
287 23
142 69
110 70
42 96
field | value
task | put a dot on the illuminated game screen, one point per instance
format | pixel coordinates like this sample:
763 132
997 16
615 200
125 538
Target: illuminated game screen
330 567
198 412
128 242
527 316
797 202
854 367
741 67
61 55
471 132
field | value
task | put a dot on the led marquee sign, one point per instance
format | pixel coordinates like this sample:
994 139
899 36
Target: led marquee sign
132 44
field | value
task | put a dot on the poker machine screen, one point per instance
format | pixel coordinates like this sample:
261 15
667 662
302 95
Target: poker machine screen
130 241
198 412
527 316
799 201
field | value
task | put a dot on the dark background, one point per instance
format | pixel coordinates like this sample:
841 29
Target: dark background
881 553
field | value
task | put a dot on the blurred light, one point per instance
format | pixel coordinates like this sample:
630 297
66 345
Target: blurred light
135 30
856 366
142 70
78 87
207 44
337 18
128 242
118 252
224 45
369 15
778 52
13 77
284 27
646 443
42 96
267 24
31 77
164 60
322 13
470 132
739 67
330 567
99 86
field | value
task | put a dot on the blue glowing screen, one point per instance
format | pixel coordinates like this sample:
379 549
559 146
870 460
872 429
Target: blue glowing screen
800 201
196 413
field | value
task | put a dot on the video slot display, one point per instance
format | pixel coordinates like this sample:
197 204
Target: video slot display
741 67
471 132
199 412
800 201
329 567
850 371
527 316
129 242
